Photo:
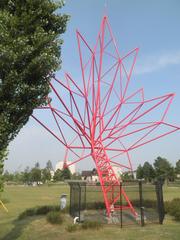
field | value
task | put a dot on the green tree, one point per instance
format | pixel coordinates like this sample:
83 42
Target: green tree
18 177
171 174
139 172
49 165
37 165
177 168
46 175
1 175
148 172
8 176
3 154
66 173
30 43
163 168
35 175
26 176
57 175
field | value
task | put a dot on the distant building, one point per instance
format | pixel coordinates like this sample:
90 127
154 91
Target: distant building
90 176
117 171
60 165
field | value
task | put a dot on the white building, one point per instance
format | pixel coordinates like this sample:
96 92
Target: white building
117 170
60 165
90 176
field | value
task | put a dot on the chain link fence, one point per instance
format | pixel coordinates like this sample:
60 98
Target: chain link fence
87 203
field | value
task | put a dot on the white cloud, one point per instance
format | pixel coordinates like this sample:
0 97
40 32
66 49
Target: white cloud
155 62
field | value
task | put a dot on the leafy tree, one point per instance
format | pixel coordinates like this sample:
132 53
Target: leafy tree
8 176
66 173
177 168
37 165
148 172
35 175
18 177
57 175
139 172
3 154
171 174
163 168
1 175
49 165
26 176
46 175
30 43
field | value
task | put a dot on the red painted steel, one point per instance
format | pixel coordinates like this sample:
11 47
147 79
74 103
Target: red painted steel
105 119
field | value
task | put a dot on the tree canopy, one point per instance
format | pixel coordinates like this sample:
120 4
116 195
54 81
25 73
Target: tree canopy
163 168
177 169
30 43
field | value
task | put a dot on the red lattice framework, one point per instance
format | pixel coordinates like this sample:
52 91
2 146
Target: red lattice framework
105 119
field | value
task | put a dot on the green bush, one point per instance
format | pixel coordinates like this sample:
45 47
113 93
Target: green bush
45 209
91 225
54 217
27 212
72 227
173 208
177 215
41 210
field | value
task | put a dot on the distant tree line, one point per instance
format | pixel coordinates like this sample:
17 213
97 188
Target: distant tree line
161 169
38 175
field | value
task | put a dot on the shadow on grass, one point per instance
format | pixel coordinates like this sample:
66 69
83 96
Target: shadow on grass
18 228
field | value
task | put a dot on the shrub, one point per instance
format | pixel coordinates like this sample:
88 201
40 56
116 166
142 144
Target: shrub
41 210
27 212
177 215
173 208
72 227
45 209
54 217
91 225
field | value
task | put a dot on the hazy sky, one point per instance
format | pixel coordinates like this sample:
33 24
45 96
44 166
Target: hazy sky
153 26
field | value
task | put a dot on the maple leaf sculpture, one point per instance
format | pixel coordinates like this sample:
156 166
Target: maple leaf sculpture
106 120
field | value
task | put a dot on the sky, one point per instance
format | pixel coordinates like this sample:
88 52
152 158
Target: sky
153 26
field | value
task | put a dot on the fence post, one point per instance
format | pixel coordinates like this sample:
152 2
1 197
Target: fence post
141 203
160 201
70 204
79 207
121 204
85 197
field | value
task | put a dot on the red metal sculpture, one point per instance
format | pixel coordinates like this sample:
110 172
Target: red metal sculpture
106 120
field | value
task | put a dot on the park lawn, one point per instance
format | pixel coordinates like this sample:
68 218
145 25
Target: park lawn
21 198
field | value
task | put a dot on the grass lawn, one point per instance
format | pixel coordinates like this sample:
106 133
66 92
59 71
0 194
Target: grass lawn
20 198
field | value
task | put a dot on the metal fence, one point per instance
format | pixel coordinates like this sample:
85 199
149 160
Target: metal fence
87 203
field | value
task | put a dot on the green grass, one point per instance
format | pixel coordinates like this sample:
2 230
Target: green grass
20 198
